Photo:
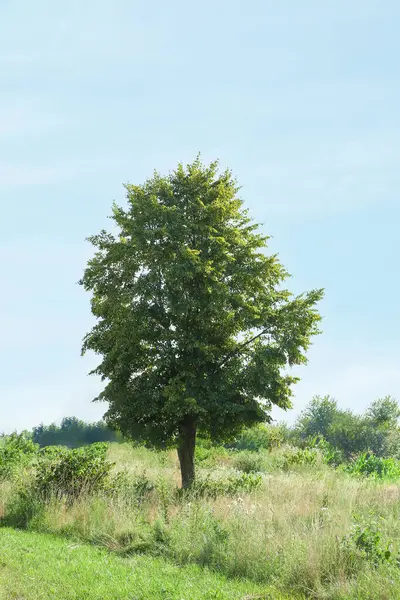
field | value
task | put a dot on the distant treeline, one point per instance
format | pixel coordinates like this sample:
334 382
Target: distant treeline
346 432
73 433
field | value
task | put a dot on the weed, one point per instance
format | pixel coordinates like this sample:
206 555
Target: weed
365 541
369 465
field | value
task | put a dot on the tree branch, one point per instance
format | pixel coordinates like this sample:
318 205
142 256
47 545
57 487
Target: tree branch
238 349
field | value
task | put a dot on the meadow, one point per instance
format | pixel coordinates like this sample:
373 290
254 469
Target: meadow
278 523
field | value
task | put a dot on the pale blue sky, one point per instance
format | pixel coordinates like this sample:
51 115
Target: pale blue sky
300 99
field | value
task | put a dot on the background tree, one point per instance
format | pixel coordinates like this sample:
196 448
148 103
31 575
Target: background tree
384 412
383 415
376 430
193 326
73 432
317 418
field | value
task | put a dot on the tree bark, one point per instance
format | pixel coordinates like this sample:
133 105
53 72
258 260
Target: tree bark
186 448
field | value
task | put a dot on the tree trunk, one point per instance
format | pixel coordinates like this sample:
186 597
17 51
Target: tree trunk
186 447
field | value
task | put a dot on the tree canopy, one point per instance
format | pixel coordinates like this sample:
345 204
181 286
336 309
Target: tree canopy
195 329
375 430
73 432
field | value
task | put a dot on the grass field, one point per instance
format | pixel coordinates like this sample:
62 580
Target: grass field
43 567
307 531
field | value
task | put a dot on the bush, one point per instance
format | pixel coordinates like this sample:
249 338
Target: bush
16 452
330 454
64 472
260 437
377 429
369 465
365 542
392 447
23 508
211 488
249 462
208 455
299 456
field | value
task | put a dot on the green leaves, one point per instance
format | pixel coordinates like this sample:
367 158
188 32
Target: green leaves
191 316
69 473
16 451
350 433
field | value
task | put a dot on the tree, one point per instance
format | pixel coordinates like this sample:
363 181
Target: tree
318 417
351 434
73 433
384 412
376 430
193 325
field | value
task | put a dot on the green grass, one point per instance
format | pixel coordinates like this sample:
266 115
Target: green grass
43 567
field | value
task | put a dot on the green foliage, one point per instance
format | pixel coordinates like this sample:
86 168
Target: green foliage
392 443
210 455
16 451
384 412
249 462
297 457
231 486
136 489
365 541
64 472
318 417
25 508
260 437
348 433
368 464
330 454
353 434
193 324
294 530
73 433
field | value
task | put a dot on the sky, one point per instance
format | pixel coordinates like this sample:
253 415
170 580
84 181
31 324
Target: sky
299 99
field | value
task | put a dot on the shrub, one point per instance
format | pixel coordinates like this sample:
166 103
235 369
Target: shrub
330 454
259 437
365 542
369 465
299 456
17 451
74 433
208 455
392 447
211 488
64 472
24 507
249 462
